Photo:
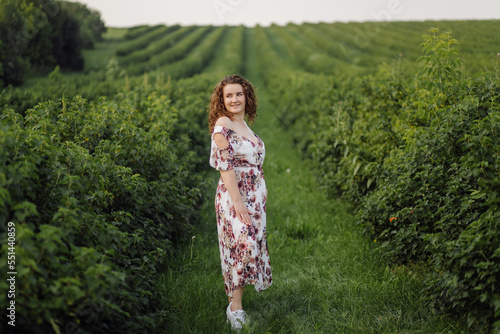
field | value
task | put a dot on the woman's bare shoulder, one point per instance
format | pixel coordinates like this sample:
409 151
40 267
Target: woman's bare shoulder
220 139
224 121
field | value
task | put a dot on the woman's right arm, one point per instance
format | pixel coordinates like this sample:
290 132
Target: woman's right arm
229 178
231 183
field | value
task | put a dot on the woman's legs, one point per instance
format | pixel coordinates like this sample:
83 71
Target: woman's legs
237 297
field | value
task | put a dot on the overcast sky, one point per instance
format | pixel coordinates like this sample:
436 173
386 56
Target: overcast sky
126 13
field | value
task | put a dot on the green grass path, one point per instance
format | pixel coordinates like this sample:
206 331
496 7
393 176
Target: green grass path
327 278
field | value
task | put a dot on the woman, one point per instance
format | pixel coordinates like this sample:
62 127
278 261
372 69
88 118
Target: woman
240 200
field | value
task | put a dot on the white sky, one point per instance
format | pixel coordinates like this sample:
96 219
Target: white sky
126 13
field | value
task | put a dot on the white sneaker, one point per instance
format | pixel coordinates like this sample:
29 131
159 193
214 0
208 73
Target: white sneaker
236 318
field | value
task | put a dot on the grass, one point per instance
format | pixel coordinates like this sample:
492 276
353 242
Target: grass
97 58
327 277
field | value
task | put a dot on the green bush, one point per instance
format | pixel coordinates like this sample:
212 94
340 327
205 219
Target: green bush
419 156
438 201
91 25
99 192
37 36
92 86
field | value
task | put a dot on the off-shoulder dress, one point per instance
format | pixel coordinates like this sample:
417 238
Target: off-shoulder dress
243 248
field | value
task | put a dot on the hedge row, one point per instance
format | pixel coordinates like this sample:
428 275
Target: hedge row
198 58
145 40
173 53
99 193
158 46
419 156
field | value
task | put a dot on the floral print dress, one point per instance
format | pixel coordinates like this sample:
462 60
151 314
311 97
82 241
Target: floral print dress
243 248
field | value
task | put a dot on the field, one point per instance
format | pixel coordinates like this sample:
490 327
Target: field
382 163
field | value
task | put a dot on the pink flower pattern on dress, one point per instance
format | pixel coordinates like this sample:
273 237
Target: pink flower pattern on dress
243 248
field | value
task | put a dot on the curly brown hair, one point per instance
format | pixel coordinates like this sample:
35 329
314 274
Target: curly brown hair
217 108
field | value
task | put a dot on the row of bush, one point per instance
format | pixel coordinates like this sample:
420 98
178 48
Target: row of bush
158 46
419 156
182 60
368 44
58 86
307 54
145 40
176 50
99 193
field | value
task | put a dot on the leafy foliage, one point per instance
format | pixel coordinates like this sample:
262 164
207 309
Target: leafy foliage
100 192
419 156
38 35
91 25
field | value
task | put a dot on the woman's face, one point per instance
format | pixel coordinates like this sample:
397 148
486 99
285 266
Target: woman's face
234 98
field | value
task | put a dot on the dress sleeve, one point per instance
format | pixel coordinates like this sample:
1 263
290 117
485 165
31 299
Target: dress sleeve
221 158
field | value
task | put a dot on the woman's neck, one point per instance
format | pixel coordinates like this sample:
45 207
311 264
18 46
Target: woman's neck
239 118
